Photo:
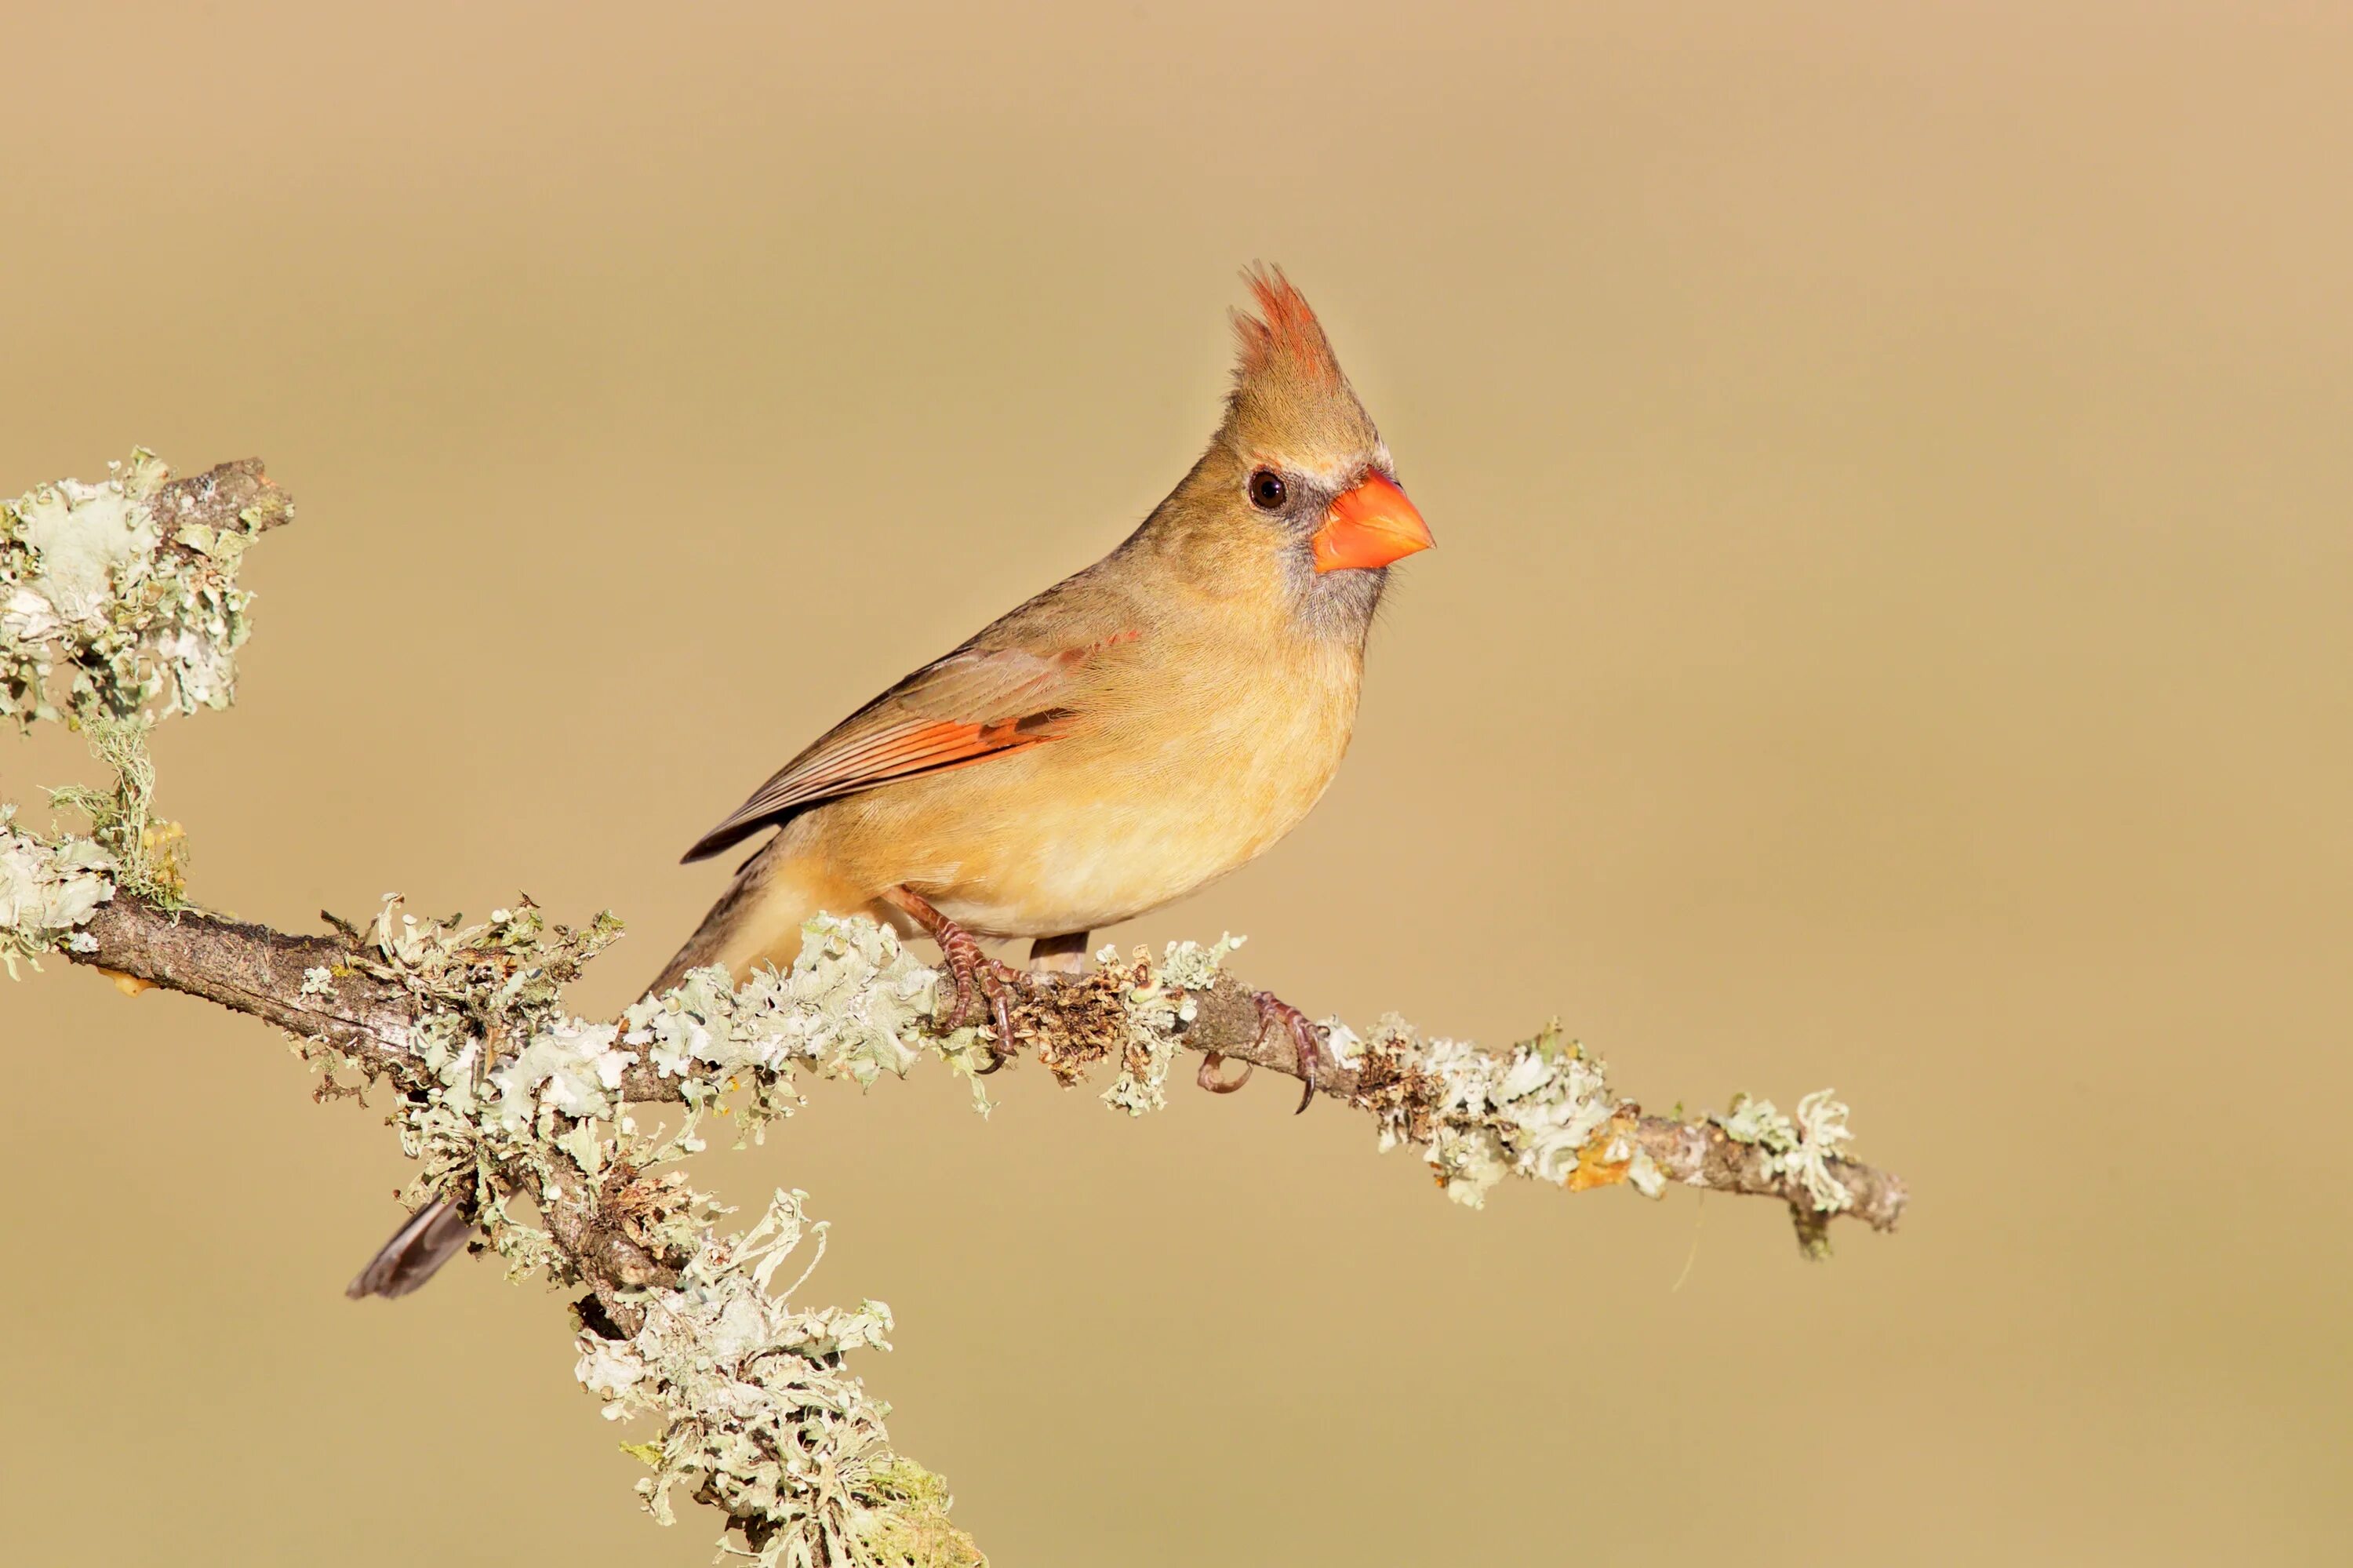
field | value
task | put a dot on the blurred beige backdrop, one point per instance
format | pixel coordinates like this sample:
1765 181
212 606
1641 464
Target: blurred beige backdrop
1890 629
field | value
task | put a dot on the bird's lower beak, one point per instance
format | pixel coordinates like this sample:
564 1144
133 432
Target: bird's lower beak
1370 525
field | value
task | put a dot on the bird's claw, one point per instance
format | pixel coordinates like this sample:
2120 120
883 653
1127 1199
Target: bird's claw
1272 1011
1207 1075
983 980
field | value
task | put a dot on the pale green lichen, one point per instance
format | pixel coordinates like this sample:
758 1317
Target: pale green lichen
1156 1004
570 1069
1802 1147
852 1006
1475 1117
757 1413
48 889
756 1416
148 852
107 623
99 612
474 1118
910 1528
854 1003
1478 1117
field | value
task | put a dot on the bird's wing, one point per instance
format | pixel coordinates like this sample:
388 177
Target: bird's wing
973 704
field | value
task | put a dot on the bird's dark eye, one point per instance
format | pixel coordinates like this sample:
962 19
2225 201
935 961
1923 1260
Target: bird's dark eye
1266 489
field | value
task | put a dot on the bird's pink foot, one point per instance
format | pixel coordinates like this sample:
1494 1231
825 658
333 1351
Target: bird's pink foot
1274 1012
977 978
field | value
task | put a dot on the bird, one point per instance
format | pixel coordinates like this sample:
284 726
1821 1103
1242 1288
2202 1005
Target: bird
1139 730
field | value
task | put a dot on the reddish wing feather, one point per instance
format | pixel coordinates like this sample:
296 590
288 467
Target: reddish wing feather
966 708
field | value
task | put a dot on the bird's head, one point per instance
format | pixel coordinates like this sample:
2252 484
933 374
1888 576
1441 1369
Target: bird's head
1297 465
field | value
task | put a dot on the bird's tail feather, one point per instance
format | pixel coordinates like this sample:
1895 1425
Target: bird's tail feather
759 919
427 1239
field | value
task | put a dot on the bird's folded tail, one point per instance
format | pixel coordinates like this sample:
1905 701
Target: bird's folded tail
759 919
431 1237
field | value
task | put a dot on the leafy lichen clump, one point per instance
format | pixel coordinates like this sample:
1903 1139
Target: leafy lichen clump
129 607
1477 1116
1802 1147
756 1416
46 890
116 608
146 852
850 1006
1157 1003
511 1096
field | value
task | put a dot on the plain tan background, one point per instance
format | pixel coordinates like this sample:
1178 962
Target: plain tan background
1890 629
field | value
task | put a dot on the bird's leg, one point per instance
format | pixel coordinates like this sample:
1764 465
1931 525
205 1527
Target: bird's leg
972 971
1273 1011
1056 957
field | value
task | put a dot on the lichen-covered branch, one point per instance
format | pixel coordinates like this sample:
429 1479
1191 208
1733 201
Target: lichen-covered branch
1543 1110
118 605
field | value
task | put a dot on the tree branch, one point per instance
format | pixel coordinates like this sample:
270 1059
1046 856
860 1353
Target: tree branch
119 602
259 972
254 971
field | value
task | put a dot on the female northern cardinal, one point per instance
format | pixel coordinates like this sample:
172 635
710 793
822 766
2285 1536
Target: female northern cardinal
1125 737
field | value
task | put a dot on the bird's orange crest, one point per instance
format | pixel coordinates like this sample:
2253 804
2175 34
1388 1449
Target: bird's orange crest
1284 338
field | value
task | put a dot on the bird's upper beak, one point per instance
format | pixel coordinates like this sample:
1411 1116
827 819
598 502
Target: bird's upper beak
1370 525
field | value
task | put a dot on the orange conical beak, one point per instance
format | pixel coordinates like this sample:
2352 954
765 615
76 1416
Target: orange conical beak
1370 525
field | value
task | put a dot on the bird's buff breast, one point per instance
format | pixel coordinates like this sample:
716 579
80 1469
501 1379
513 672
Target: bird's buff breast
1083 833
